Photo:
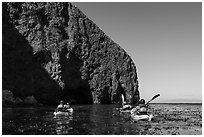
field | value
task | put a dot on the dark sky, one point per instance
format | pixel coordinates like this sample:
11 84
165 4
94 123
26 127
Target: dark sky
163 39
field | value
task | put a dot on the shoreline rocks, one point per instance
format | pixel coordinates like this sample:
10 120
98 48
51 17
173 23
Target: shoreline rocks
8 100
7 97
30 100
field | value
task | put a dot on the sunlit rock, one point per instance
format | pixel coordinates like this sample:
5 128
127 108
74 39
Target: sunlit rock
53 51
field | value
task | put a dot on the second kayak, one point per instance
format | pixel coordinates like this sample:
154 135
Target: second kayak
64 113
141 117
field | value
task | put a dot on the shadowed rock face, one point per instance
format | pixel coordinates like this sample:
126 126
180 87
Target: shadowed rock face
53 51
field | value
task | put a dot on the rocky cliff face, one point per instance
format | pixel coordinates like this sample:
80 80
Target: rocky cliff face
53 51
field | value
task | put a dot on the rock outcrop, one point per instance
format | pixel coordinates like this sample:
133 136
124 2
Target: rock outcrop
30 100
9 100
7 97
53 51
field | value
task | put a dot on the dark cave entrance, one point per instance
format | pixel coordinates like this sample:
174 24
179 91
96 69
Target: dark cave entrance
77 95
106 96
77 90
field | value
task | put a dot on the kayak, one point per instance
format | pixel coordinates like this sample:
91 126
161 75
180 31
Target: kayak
137 117
64 113
125 111
125 108
141 117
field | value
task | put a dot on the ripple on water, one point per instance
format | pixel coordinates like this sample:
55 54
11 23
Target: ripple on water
103 120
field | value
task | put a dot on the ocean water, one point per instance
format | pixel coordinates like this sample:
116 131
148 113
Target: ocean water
169 119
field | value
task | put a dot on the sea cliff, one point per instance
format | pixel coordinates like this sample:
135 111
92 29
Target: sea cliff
52 51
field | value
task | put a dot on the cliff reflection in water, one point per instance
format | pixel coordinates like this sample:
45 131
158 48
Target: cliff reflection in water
108 120
103 120
92 119
63 124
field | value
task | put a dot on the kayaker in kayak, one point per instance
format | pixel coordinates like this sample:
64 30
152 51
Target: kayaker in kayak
60 107
142 108
67 106
63 110
140 112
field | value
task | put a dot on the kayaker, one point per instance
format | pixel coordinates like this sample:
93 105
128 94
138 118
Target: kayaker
142 108
60 107
126 106
67 106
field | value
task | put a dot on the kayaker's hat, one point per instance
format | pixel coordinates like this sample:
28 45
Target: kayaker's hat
61 101
142 101
67 103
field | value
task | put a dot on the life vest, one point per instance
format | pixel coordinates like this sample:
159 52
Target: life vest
66 106
143 108
60 107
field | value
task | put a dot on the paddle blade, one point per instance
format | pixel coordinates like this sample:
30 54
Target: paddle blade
155 96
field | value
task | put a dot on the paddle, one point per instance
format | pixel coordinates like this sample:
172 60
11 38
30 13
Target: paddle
153 98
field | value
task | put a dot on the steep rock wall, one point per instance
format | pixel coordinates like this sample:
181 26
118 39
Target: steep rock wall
53 51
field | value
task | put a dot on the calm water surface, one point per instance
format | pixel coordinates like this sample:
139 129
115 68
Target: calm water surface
101 119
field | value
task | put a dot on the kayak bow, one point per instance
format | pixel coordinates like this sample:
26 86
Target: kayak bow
141 117
137 117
